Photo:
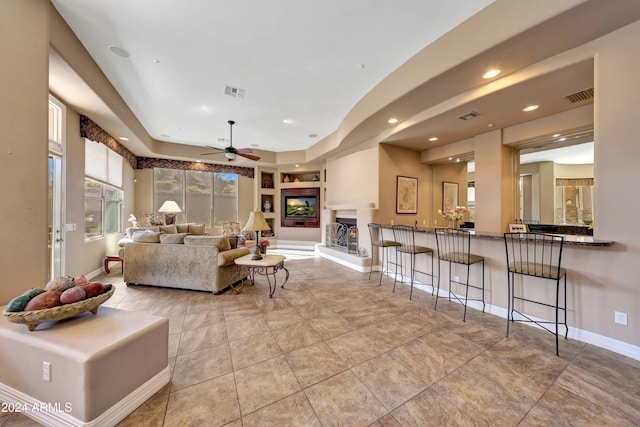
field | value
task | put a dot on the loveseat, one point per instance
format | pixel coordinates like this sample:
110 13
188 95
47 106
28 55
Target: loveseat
181 260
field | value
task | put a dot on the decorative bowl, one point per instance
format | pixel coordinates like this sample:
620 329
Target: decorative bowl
34 317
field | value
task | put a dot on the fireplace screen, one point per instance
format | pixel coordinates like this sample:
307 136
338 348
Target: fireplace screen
342 236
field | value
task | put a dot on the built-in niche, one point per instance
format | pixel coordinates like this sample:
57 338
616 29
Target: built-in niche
300 207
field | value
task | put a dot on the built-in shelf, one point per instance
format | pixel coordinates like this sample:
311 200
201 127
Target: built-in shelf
267 199
306 177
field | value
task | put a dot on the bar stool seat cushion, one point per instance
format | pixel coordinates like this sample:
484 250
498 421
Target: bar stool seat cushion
538 270
414 249
386 243
461 258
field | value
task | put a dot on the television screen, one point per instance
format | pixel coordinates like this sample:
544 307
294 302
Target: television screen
302 207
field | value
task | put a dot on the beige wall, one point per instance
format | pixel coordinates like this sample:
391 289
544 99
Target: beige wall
23 121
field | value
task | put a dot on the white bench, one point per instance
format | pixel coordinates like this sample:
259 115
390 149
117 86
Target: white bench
102 366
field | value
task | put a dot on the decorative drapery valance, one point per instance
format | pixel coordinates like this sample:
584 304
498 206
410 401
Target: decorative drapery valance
574 182
148 163
91 130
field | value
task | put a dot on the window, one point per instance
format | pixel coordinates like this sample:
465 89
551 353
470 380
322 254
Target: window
102 194
208 198
102 209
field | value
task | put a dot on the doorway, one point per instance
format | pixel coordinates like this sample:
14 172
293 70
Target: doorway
56 234
55 183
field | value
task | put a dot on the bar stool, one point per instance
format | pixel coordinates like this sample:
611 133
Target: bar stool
406 237
454 247
537 255
377 241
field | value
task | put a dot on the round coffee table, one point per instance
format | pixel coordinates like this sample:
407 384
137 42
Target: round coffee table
269 265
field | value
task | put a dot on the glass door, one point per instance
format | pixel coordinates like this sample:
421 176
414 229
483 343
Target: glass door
56 234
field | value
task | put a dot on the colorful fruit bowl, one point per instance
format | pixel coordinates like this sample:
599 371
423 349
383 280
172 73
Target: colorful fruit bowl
34 317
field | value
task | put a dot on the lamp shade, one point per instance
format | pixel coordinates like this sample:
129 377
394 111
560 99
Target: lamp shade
256 222
169 207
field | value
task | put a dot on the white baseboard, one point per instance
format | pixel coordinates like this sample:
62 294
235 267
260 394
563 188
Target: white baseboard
42 413
577 334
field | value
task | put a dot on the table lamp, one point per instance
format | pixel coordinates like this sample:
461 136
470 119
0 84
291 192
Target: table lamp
169 208
256 223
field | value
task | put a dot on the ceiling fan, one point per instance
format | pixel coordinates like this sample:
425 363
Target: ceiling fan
231 152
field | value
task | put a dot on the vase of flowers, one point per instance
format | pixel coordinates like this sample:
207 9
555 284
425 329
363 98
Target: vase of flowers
262 244
453 215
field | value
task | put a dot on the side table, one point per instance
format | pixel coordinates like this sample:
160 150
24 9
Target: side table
109 259
269 265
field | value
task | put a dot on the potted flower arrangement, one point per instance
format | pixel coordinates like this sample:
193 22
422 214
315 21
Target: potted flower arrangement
453 215
262 244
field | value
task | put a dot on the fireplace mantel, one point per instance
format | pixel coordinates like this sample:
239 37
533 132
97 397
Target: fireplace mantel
350 206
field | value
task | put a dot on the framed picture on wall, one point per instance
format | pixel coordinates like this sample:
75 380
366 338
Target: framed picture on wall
449 195
406 195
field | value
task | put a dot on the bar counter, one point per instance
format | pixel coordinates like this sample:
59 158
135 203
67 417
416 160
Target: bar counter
573 240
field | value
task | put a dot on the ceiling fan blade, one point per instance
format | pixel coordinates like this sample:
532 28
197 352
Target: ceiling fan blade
218 151
248 156
244 150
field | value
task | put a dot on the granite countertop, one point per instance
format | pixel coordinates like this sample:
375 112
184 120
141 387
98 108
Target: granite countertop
571 240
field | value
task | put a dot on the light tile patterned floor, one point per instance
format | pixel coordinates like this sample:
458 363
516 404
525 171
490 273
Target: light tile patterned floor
334 348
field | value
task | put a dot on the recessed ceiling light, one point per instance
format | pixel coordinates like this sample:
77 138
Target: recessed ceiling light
555 135
433 138
119 51
156 61
392 120
254 145
287 121
297 165
491 74
457 160
490 125
164 135
450 158
123 138
530 108
313 135
361 66
562 139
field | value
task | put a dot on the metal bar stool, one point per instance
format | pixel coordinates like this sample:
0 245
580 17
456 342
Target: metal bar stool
377 241
537 255
406 237
454 247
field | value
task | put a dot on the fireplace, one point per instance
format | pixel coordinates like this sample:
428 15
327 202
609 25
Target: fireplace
342 234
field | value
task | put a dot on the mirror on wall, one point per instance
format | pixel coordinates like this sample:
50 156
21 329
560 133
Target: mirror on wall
556 180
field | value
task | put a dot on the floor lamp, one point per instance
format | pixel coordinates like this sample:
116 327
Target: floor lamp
256 223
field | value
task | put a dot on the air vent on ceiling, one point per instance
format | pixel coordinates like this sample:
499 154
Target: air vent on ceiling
580 96
234 92
468 116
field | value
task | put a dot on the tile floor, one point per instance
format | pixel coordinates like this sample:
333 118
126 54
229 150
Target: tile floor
335 349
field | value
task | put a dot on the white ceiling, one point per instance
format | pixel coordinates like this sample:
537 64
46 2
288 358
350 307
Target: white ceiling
308 62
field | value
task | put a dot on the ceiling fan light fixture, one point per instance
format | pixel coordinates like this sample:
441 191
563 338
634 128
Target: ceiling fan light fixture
230 156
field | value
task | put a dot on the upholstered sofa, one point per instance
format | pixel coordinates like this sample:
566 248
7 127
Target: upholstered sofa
181 260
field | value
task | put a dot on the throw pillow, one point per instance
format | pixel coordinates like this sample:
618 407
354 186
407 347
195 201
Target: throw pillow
196 229
173 239
146 236
169 229
233 242
132 230
183 228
